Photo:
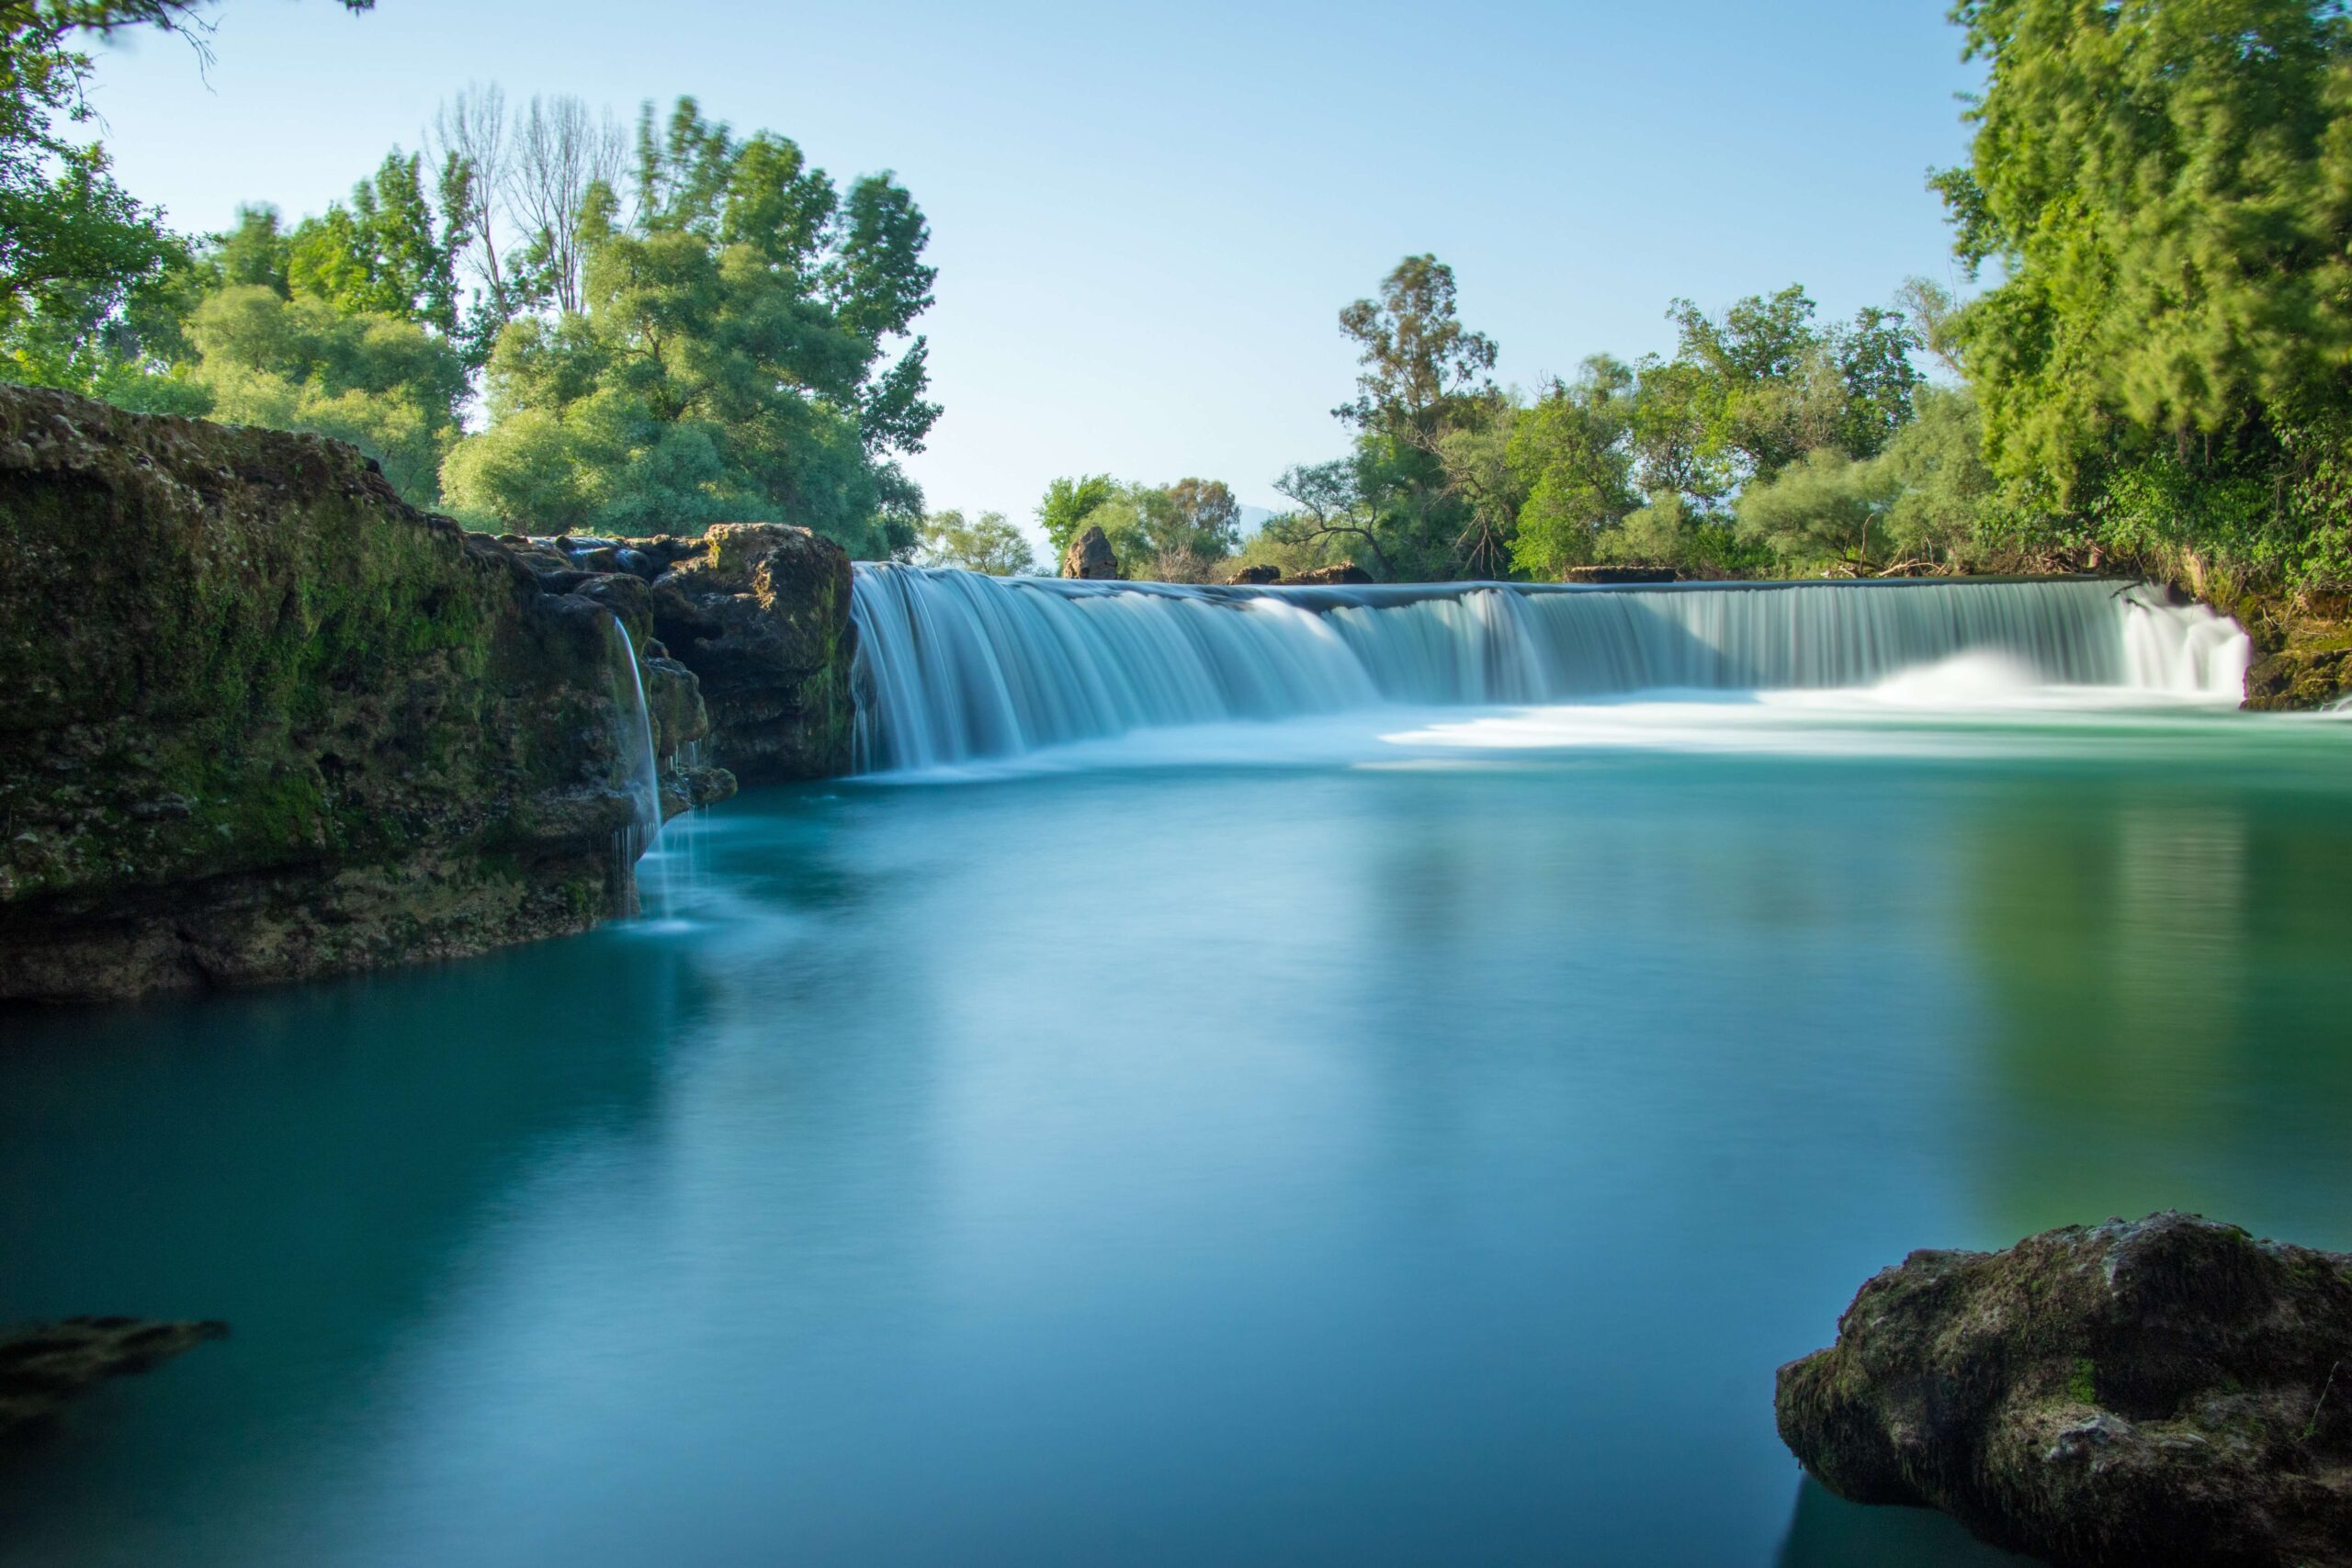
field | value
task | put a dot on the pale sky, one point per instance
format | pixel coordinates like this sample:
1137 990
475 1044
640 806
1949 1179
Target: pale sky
1146 218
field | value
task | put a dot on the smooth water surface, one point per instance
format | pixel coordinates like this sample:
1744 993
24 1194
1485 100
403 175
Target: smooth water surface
1420 1149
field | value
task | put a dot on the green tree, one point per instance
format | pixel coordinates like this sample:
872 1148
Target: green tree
986 543
1572 456
390 253
77 252
1423 376
1175 533
1062 513
380 382
2166 186
732 358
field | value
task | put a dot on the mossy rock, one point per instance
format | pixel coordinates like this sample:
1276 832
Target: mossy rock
261 719
2165 1391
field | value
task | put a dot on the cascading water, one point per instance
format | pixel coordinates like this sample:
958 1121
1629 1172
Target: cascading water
644 767
954 667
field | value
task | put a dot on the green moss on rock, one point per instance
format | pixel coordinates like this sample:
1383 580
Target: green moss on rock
259 718
2136 1392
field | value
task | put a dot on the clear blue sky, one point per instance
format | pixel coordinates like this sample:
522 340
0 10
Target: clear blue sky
1146 218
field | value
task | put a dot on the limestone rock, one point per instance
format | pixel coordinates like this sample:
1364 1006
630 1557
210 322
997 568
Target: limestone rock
1343 572
45 1368
261 719
2165 1391
760 614
1089 555
1620 574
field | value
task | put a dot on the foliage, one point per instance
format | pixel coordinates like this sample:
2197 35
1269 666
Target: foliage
1062 513
1172 532
77 252
380 382
1572 454
729 361
2166 186
985 544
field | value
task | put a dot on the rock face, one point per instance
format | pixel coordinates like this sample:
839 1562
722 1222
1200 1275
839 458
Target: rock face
45 1368
260 720
2168 1391
761 616
1089 555
756 614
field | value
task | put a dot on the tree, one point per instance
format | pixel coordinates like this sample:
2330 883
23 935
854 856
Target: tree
1423 376
730 357
2166 186
1418 360
986 543
1062 513
79 256
383 383
388 252
1572 457
1175 533
563 150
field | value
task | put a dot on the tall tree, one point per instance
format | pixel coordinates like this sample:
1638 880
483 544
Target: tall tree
2166 186
732 356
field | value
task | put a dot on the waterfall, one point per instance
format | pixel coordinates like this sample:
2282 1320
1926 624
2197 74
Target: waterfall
644 767
953 666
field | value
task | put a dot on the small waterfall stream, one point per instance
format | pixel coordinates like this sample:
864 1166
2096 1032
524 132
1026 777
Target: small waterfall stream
954 667
644 774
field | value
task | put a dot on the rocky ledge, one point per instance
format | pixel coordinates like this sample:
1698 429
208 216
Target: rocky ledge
48 1366
2169 1390
758 613
260 720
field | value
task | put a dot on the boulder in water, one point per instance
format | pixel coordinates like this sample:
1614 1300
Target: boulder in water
48 1366
1263 573
2165 1391
1090 555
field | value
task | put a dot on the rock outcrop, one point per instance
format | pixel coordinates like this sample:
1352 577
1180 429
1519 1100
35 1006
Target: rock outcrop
1620 574
1089 555
260 720
1342 574
756 613
1262 573
2303 651
2169 1390
45 1368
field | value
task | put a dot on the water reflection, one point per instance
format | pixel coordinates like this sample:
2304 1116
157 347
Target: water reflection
1328 1165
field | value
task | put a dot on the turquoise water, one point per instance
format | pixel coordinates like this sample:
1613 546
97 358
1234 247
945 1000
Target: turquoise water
1405 1140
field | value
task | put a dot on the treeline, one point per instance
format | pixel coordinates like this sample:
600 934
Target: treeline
2159 374
534 321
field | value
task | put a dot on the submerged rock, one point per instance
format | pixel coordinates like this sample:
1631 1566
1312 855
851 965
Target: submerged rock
261 719
2165 1391
1090 555
45 1368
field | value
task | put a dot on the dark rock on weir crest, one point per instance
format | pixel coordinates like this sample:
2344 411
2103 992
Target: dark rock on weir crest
2167 1390
1090 555
260 720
